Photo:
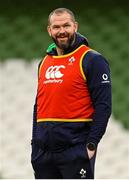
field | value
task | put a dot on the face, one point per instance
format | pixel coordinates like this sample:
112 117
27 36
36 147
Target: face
62 30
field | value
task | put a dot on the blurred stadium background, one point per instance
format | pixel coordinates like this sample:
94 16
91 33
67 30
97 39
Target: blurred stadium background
23 40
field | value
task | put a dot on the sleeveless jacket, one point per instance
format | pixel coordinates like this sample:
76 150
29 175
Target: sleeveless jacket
63 94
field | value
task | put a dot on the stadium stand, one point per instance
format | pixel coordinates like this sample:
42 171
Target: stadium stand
23 39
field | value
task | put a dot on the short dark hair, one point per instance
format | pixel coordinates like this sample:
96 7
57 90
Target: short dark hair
60 11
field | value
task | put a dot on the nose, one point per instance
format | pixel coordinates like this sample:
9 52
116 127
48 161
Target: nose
62 29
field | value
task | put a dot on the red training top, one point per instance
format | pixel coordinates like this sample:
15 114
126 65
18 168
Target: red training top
62 89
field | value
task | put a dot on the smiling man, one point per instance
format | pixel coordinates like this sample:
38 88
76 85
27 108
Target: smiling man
73 103
62 29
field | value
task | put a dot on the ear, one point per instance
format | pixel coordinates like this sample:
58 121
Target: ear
49 30
76 26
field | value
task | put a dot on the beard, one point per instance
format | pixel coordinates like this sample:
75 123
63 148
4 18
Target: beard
66 44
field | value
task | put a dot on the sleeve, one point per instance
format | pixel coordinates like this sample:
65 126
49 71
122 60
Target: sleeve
97 71
34 120
34 125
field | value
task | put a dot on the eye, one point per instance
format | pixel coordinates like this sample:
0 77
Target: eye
66 25
56 27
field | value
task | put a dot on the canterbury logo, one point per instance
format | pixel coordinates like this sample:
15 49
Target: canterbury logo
54 72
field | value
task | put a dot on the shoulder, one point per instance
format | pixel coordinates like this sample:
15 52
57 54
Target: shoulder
96 69
94 59
41 63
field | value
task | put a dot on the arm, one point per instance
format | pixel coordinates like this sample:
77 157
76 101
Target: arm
97 72
35 114
34 120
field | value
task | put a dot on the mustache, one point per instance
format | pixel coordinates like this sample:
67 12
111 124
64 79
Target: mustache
62 35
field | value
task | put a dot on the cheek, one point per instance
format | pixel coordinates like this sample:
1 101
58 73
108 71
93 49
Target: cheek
54 33
51 32
73 30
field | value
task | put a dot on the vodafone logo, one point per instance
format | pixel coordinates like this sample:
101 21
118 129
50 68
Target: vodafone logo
105 78
53 74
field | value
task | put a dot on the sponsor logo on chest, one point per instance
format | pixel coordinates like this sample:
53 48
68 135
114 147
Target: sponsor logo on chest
54 74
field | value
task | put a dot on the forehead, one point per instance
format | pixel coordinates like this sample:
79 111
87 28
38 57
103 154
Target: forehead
60 18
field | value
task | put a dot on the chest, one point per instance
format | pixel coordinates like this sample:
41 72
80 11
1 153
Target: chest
64 70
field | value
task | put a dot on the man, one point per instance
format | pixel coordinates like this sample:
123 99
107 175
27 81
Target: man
73 103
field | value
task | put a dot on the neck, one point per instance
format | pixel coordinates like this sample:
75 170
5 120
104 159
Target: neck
59 51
